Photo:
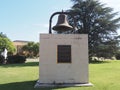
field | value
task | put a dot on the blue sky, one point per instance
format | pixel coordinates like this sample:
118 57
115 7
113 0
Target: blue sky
26 19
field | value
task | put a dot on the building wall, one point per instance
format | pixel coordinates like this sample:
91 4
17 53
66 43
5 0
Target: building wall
53 72
19 44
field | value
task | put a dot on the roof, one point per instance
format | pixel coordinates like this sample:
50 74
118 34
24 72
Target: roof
21 41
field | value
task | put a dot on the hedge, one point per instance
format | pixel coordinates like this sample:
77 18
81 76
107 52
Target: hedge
16 59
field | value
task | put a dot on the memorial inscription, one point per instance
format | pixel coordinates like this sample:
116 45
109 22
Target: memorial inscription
64 53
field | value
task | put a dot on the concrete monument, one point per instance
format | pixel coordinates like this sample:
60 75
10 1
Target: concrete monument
63 57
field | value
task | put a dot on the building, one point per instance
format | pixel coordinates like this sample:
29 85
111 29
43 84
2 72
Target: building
19 44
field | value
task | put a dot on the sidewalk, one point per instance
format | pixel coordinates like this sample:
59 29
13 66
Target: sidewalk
32 60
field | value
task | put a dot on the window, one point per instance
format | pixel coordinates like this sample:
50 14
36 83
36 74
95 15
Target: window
64 53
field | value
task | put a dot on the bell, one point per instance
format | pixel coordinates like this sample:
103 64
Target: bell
62 24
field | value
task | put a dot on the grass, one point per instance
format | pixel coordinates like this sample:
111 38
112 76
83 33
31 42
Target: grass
104 76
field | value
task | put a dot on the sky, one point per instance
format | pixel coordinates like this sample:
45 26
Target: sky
26 19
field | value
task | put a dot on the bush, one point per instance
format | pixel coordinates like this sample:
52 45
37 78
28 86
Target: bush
1 59
117 56
16 59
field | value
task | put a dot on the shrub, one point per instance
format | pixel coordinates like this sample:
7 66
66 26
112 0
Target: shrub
1 59
16 59
117 56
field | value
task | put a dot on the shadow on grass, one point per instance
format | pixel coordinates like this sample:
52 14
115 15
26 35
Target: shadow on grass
28 85
21 64
99 62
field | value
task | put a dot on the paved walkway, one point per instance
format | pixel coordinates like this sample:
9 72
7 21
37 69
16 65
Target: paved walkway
32 60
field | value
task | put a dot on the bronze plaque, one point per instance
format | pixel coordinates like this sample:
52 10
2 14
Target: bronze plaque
64 53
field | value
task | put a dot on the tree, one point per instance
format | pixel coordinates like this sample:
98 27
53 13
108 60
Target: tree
108 48
36 49
96 20
5 42
32 49
3 35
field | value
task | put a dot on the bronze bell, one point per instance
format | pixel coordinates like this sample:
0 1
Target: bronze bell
62 24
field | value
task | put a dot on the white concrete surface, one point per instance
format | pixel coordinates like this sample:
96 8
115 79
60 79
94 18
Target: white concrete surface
53 72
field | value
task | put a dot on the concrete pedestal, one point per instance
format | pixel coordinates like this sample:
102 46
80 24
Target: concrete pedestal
53 72
38 84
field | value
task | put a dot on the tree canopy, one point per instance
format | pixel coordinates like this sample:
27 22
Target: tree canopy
5 42
98 21
31 49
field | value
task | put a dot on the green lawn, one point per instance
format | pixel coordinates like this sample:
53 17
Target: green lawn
104 76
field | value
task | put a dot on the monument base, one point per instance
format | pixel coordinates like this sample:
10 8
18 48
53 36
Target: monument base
38 84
